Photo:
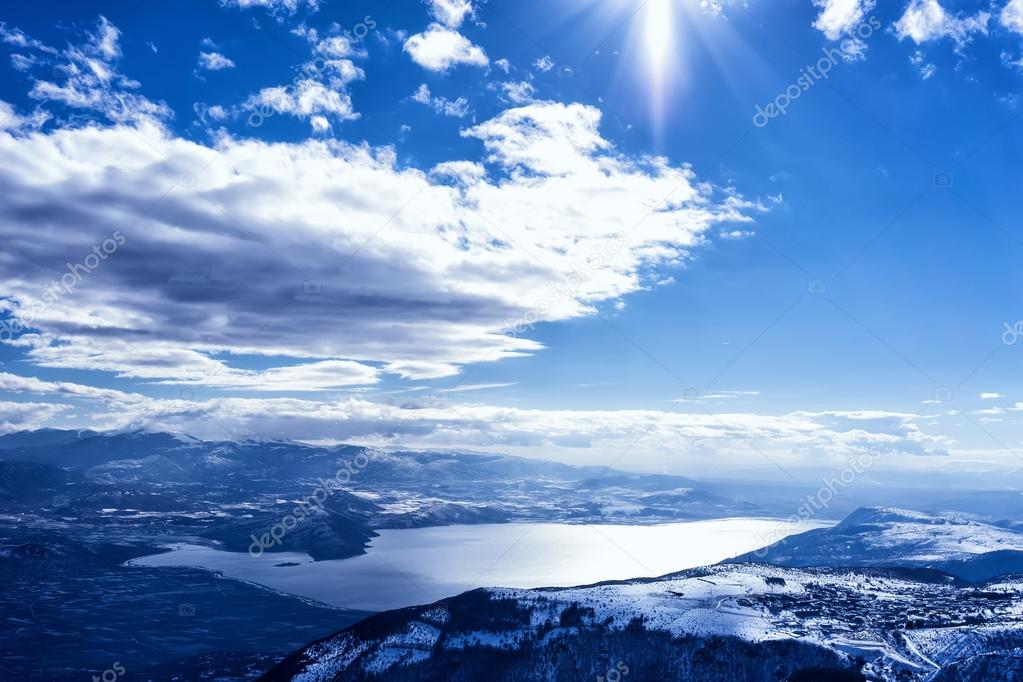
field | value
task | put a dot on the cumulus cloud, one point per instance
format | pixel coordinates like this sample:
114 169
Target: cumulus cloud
517 92
1012 16
457 107
847 20
327 253
547 138
319 93
544 63
451 13
214 61
307 98
439 48
927 20
839 17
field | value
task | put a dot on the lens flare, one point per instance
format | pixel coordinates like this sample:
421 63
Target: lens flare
658 41
658 33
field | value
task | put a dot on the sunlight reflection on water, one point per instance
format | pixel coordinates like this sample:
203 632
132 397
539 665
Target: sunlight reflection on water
420 565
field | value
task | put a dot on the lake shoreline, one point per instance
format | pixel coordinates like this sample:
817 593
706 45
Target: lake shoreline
404 567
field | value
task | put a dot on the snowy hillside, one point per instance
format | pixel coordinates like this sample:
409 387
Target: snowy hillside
897 537
728 622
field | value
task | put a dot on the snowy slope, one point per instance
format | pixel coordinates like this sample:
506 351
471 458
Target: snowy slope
898 537
729 622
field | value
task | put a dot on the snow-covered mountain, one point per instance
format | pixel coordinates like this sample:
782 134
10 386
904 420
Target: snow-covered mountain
404 487
723 623
964 547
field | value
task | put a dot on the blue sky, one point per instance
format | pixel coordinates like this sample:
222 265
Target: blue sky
421 176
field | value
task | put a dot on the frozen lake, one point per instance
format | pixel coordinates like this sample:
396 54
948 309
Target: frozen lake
421 565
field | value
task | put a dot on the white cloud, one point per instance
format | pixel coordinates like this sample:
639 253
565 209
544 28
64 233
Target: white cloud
926 68
13 121
85 75
22 62
319 93
319 123
439 48
520 92
16 37
462 388
286 7
457 107
547 137
464 172
337 46
926 20
652 438
411 273
313 376
15 383
544 63
717 395
839 17
28 416
451 13
990 396
308 98
1012 16
214 61
1017 407
503 64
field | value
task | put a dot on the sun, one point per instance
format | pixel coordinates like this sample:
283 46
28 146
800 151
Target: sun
658 33
660 48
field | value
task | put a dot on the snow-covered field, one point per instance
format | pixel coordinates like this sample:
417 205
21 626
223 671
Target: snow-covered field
899 623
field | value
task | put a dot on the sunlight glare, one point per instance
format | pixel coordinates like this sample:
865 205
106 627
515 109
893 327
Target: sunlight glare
658 38
658 33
